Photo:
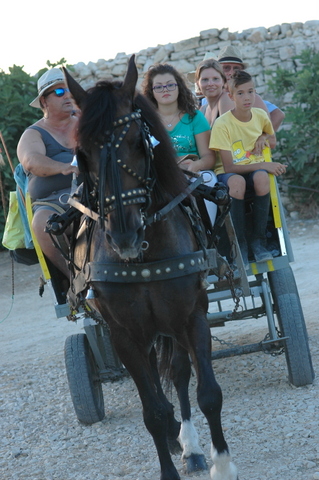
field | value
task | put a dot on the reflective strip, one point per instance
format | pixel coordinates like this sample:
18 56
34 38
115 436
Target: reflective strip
273 192
255 270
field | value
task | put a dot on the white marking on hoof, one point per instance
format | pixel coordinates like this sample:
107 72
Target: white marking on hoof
223 468
188 439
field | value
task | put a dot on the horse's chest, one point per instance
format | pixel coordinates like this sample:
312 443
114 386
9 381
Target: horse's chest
159 302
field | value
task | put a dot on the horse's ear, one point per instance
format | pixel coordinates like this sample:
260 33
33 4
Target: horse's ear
77 92
131 76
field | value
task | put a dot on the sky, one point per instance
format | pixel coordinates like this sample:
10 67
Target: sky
34 31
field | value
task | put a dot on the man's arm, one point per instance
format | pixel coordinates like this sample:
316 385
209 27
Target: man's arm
277 117
32 155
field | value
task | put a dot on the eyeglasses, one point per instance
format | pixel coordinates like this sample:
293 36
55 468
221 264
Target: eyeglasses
170 87
59 92
231 68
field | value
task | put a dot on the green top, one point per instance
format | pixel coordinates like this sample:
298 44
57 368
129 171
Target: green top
183 134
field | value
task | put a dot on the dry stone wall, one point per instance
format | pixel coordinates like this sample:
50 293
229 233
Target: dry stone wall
263 49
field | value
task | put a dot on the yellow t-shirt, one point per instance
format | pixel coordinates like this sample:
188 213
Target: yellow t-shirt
229 133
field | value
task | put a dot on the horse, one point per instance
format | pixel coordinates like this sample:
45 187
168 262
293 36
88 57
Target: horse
140 252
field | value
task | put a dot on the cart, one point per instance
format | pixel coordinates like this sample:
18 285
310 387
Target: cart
265 290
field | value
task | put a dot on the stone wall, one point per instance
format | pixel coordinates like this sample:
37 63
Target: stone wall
263 49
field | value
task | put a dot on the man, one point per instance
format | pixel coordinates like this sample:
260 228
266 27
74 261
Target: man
45 151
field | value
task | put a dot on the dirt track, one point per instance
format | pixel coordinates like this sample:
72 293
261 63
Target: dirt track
271 427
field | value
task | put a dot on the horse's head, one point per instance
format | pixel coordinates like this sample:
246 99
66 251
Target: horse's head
115 155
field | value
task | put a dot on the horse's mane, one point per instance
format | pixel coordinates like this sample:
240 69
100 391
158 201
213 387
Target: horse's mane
98 115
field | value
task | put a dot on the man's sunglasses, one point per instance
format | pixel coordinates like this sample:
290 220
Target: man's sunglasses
59 92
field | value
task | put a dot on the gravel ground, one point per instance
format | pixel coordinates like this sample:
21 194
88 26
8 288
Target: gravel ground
271 426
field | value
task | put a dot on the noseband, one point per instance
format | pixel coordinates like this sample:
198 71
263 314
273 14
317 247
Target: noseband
109 155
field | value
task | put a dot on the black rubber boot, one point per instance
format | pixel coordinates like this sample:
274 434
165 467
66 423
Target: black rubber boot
237 210
260 217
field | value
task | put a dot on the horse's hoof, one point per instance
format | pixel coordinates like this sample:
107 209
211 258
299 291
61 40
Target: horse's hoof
174 446
195 463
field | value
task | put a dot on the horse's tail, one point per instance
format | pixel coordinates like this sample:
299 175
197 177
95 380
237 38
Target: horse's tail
165 351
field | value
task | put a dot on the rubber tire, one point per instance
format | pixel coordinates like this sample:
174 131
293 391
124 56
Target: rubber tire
292 324
83 378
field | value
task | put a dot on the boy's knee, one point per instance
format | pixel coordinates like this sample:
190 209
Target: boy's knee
237 186
261 176
261 182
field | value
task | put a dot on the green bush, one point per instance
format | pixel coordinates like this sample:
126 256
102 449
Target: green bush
17 90
298 141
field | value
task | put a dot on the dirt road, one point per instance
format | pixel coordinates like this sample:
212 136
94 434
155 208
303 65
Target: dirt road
272 428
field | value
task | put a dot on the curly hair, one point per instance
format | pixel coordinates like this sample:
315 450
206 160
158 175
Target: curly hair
240 77
186 100
210 63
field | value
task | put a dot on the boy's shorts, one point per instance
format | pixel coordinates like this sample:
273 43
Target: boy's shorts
223 177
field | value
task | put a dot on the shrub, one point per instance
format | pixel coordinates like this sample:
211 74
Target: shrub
298 142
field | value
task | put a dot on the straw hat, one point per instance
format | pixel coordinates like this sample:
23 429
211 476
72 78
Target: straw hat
191 75
209 55
230 54
47 80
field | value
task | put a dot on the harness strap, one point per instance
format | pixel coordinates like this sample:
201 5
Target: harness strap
169 268
83 209
157 216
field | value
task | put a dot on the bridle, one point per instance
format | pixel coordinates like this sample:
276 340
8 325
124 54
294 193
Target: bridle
109 156
100 205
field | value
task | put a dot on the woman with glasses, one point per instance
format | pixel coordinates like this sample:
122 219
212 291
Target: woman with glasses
45 151
187 127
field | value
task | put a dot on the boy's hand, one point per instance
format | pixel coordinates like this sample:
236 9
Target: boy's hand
275 168
260 144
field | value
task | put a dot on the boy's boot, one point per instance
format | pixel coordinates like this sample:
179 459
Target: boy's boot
237 210
260 217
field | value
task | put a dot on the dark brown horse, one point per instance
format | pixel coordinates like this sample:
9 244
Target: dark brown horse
145 264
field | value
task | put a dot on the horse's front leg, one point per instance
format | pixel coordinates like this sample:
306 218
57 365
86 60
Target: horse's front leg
154 411
209 397
193 456
173 425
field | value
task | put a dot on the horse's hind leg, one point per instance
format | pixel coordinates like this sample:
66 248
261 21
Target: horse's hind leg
209 397
192 455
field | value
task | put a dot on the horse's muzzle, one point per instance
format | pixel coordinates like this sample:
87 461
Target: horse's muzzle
127 245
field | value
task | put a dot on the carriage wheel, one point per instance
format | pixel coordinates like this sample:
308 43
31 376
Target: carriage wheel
83 378
292 324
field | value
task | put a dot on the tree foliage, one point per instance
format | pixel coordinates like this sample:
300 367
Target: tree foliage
298 142
17 90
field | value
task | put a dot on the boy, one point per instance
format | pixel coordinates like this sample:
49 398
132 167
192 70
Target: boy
239 136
